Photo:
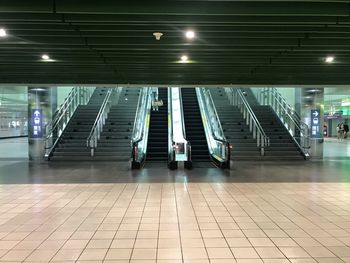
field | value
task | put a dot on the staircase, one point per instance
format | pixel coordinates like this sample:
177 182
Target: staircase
195 133
114 143
282 146
235 129
72 145
157 145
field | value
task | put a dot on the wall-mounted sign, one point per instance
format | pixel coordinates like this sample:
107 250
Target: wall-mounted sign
333 115
37 123
316 123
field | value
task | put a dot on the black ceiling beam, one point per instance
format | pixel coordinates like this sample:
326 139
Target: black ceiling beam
159 19
239 8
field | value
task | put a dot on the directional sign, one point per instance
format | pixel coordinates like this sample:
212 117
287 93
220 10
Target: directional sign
315 124
37 123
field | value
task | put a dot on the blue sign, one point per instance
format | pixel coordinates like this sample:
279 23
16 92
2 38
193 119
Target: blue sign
37 123
316 124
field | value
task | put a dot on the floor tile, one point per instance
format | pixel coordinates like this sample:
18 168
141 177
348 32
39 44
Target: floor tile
269 252
144 253
93 254
244 252
169 253
219 253
194 253
67 255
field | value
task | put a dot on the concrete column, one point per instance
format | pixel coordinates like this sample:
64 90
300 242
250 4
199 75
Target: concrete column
312 99
42 103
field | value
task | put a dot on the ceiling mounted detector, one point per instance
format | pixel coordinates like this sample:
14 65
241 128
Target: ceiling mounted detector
157 35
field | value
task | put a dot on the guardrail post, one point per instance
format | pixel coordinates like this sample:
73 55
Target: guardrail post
92 151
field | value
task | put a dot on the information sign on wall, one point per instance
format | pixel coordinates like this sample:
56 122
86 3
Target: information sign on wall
37 126
315 123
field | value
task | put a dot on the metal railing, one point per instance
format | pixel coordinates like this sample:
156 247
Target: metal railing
54 129
140 131
179 149
298 129
238 99
110 99
219 147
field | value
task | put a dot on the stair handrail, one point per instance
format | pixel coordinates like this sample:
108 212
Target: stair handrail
54 129
239 100
220 149
97 127
289 117
140 130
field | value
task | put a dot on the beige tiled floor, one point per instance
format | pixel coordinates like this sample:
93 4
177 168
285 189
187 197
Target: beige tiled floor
173 223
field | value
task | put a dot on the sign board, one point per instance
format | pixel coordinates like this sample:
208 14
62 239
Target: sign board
37 123
316 124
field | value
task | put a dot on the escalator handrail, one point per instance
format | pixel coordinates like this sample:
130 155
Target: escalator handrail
171 143
171 127
144 98
182 114
135 119
223 140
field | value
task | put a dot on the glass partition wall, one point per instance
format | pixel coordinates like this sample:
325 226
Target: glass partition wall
13 112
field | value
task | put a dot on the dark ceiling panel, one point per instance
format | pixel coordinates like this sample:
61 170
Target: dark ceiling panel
23 6
238 42
240 8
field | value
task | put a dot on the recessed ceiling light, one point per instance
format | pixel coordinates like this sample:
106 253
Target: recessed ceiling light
313 91
329 59
45 57
184 59
190 34
3 32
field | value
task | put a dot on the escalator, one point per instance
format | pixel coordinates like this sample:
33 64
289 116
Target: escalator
157 146
194 127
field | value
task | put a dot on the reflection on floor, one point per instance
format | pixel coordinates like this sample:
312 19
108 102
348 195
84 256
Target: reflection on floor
336 149
14 148
17 172
194 222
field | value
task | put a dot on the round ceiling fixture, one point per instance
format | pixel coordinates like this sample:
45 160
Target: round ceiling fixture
184 59
329 59
45 57
158 35
3 32
190 34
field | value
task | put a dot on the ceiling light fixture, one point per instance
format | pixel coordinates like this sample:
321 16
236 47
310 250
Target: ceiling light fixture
313 91
184 59
190 34
3 32
45 57
158 35
329 59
